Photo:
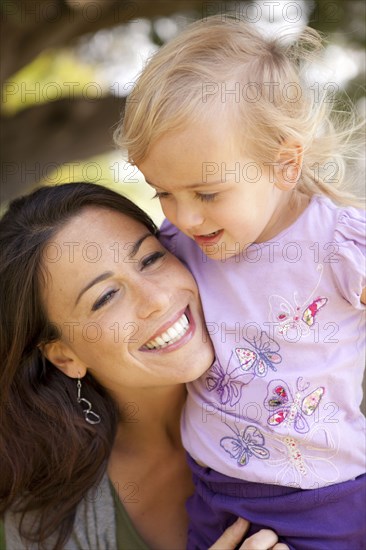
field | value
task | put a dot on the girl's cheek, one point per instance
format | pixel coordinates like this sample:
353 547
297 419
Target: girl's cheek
168 210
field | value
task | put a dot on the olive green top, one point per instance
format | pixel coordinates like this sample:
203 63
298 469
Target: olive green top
2 536
127 536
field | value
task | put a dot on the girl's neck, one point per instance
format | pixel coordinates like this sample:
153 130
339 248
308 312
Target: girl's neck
286 214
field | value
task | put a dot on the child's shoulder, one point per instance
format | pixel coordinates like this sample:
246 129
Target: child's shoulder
177 242
348 244
337 223
168 236
333 210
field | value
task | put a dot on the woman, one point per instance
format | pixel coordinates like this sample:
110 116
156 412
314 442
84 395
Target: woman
100 329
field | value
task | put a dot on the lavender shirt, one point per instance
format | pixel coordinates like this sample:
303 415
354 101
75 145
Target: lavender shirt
281 403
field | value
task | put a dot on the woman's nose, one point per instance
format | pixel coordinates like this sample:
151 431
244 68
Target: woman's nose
153 298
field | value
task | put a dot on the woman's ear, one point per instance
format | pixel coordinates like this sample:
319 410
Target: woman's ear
288 165
60 355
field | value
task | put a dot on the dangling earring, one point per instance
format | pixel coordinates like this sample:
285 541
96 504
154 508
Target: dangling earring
90 416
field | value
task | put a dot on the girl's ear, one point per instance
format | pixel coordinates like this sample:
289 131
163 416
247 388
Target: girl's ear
288 165
60 355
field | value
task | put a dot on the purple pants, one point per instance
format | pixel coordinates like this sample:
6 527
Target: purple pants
329 518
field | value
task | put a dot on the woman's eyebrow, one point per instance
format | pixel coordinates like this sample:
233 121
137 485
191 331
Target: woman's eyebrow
93 282
107 274
137 244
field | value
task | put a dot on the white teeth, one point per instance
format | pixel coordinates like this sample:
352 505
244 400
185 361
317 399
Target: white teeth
185 320
172 332
171 335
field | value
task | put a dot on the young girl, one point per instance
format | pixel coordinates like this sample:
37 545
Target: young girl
249 170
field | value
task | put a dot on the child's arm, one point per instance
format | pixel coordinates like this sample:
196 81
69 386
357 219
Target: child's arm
363 296
349 261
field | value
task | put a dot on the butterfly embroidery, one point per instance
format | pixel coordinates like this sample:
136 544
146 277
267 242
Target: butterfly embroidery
289 317
309 458
264 356
245 444
295 319
287 410
229 385
309 314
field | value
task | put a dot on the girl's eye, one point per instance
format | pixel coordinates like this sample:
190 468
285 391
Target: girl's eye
152 259
107 297
206 197
160 195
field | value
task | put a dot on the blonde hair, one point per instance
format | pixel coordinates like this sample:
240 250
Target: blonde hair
184 78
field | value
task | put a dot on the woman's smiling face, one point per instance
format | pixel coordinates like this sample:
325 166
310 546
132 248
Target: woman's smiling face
128 311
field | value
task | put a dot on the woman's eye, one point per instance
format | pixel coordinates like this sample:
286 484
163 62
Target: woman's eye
205 197
152 259
107 297
161 195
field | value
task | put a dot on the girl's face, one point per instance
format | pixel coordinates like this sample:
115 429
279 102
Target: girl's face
128 310
212 192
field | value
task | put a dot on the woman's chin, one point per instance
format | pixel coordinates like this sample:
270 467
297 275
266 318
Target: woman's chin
200 364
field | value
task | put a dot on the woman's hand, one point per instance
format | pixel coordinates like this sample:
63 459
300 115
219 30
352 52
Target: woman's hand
263 540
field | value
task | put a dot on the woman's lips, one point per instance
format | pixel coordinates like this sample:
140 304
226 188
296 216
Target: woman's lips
210 238
172 336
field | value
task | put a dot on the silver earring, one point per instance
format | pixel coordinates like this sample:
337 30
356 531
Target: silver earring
90 416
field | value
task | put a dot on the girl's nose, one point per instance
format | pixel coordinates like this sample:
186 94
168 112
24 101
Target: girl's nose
189 216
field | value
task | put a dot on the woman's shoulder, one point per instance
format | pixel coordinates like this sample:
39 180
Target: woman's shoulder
94 525
2 535
101 521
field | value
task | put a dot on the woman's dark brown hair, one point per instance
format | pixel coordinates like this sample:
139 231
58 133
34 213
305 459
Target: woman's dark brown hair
50 456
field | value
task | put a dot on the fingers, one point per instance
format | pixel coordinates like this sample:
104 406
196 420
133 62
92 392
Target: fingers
263 540
232 536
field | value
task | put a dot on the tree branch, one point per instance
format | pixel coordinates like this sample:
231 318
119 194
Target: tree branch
37 140
32 26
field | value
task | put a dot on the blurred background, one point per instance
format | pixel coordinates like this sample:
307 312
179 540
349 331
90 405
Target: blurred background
68 65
